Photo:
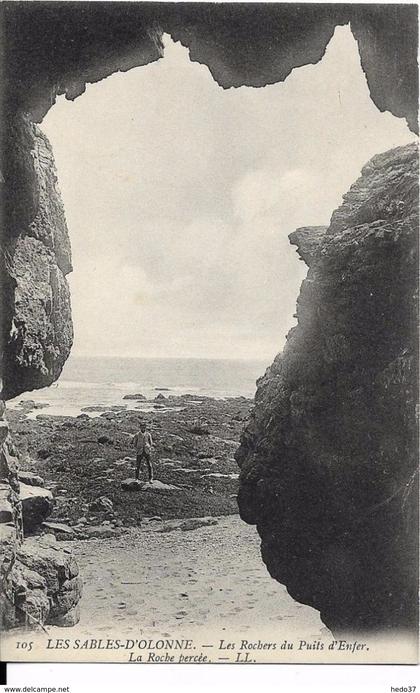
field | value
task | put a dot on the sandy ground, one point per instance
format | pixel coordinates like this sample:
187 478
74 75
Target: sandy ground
161 584
208 585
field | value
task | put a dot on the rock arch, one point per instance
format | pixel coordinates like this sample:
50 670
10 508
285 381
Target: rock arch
57 48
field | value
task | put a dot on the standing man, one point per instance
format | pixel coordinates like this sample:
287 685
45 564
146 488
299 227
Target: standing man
143 443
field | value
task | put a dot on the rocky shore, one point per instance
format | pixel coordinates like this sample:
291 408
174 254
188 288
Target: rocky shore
77 473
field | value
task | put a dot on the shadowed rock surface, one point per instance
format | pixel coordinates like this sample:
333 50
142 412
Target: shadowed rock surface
37 504
36 314
329 458
56 48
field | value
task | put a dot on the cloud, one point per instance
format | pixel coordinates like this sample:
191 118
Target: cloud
180 195
260 191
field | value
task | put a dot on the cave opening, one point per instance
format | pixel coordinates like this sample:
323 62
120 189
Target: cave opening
179 229
180 196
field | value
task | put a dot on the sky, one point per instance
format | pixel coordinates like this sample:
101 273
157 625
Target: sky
180 196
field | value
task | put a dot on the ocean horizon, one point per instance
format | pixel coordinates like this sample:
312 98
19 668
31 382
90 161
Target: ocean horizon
104 381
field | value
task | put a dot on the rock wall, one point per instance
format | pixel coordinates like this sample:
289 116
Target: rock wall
37 331
38 583
329 458
56 48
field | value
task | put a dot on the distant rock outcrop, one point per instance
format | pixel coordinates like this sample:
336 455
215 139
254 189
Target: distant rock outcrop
329 457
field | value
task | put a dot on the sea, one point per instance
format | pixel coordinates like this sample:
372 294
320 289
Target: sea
87 381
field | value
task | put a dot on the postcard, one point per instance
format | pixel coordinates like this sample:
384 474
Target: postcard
209 333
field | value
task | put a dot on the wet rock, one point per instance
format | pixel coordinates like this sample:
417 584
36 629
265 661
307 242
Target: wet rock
60 530
102 504
220 476
172 438
199 428
151 486
139 397
103 408
157 486
187 472
105 440
29 404
167 527
130 484
37 505
220 481
30 479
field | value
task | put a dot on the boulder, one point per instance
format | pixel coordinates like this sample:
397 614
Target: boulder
151 486
30 479
43 587
30 599
60 530
66 598
37 505
199 428
158 487
166 528
131 485
105 440
139 397
56 565
102 504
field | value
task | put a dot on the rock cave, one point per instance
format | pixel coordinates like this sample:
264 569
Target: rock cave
329 458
